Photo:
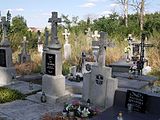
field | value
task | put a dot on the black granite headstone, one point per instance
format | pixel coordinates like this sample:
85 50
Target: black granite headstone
3 58
137 100
50 64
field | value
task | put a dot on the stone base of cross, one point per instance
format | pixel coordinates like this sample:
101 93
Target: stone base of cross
99 48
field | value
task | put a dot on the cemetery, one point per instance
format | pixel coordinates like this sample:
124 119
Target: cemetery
81 72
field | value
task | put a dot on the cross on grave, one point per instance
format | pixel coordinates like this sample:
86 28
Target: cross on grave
130 39
88 32
5 25
96 35
102 44
54 38
140 63
66 35
24 45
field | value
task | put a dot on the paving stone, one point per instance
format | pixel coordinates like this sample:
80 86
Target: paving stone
27 110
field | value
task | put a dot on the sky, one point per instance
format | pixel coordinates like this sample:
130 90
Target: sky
37 12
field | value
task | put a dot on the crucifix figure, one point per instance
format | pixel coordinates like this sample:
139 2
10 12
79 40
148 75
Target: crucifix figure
66 35
96 35
101 44
54 38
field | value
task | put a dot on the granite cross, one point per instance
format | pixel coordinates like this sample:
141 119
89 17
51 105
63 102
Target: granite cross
96 35
102 44
66 35
54 20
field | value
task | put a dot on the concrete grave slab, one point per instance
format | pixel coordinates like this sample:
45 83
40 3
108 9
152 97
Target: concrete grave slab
145 78
25 87
121 66
132 84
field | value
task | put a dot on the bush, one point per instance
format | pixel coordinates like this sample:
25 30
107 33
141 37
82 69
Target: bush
8 95
66 68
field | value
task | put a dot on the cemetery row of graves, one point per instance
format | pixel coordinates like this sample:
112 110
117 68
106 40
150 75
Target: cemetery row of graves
78 36
90 89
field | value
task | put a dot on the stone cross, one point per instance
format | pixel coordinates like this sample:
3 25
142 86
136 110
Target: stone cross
24 45
54 38
102 44
89 33
5 25
46 37
66 35
96 35
130 52
130 39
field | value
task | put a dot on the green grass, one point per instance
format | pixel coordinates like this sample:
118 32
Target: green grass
8 95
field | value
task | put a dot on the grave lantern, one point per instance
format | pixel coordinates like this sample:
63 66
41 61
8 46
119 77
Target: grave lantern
43 98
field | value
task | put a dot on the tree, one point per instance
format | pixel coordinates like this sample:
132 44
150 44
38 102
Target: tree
125 9
139 6
18 29
142 15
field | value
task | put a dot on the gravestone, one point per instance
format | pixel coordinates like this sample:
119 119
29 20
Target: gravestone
7 71
24 56
95 48
40 43
67 46
137 100
86 64
53 82
98 85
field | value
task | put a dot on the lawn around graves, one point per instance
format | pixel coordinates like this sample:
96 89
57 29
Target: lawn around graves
8 95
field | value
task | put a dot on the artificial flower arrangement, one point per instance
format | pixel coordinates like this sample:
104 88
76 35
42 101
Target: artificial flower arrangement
77 109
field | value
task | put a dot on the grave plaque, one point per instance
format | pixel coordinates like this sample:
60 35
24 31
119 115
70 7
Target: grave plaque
137 100
3 58
50 64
